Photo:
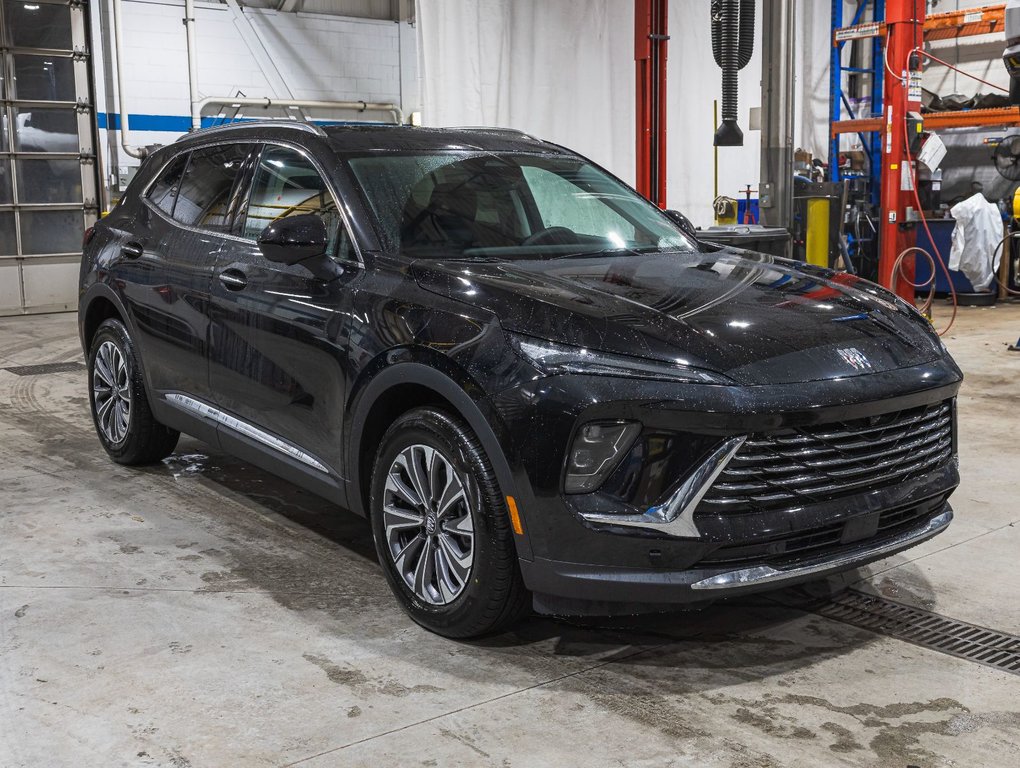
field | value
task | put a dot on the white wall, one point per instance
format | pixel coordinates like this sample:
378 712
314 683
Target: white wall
693 82
320 57
562 70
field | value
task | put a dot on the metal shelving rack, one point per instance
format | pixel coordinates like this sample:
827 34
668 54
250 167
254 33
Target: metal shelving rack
938 26
838 100
877 20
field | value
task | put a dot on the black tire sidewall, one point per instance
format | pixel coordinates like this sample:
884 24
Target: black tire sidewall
132 445
491 528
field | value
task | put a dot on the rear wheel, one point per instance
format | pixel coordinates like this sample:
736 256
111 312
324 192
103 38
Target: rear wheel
441 527
120 409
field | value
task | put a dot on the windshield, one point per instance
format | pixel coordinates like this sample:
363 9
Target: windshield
506 205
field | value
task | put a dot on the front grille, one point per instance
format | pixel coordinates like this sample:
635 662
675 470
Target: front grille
810 464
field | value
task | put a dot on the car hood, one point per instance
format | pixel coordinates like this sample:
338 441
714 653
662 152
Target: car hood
749 316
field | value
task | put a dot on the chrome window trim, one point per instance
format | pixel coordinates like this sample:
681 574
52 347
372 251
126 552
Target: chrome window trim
676 516
245 428
359 261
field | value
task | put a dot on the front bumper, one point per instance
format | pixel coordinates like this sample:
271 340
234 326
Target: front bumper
633 587
610 549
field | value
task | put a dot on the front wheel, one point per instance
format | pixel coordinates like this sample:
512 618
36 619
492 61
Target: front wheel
441 528
120 409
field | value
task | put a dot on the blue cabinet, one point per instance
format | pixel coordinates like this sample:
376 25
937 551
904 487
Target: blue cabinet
942 233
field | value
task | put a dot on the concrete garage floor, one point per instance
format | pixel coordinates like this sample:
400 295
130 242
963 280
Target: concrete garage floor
202 613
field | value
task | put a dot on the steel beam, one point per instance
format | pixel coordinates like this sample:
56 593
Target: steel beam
904 32
777 98
650 38
258 50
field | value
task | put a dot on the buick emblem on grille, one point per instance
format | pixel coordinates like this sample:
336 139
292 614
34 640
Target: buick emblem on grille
854 358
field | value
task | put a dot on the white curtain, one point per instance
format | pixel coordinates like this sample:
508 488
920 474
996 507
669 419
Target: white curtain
693 82
562 70
811 85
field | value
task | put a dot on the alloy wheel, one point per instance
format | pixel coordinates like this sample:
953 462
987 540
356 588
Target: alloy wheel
428 525
111 392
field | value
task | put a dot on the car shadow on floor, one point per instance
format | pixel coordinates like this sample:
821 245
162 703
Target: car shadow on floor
304 508
773 632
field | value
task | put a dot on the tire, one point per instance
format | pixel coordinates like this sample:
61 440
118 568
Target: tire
123 420
437 590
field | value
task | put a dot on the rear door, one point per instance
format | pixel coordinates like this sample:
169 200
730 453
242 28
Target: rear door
189 212
140 266
278 346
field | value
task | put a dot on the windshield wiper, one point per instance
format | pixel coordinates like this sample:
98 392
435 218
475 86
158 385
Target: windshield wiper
608 251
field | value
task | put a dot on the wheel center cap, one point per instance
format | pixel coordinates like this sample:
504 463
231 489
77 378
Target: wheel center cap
430 523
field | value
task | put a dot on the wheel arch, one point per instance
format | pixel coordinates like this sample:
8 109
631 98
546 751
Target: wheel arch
398 388
98 305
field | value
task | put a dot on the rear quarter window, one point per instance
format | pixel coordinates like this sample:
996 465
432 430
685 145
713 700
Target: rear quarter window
163 193
204 195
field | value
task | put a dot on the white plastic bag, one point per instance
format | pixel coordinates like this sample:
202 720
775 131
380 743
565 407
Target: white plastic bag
976 237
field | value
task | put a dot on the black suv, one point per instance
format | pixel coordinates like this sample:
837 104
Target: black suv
540 388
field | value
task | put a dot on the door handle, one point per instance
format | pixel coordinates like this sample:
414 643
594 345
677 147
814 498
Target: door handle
233 279
132 250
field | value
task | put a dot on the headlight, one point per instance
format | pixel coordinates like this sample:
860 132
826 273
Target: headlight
552 358
597 449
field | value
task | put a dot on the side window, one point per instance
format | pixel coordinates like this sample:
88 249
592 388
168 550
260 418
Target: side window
205 189
287 184
562 203
164 192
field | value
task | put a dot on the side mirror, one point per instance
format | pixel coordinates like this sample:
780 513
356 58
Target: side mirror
293 239
684 223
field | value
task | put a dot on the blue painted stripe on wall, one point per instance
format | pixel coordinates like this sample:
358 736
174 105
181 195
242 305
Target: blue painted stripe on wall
182 123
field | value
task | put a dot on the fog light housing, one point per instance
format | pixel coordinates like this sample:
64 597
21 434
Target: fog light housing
598 448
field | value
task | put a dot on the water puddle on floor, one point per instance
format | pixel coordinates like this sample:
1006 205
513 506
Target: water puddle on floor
187 464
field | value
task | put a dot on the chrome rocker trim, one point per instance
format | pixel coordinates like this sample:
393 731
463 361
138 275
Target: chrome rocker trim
676 516
763 574
244 428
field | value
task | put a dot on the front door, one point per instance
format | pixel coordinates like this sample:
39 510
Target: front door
278 345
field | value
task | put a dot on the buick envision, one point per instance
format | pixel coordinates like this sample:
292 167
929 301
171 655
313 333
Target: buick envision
539 388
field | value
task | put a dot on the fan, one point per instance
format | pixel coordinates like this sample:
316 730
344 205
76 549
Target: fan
1007 157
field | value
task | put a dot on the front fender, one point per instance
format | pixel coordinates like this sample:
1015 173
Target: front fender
413 365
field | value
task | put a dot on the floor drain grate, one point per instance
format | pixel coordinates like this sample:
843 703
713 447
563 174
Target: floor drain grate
43 368
929 630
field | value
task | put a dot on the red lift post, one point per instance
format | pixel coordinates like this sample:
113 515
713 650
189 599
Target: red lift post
904 20
650 56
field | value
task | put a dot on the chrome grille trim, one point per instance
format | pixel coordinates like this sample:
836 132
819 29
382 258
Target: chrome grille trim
676 516
944 442
816 463
932 424
940 410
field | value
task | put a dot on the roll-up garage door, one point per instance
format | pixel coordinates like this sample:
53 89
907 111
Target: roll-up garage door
47 158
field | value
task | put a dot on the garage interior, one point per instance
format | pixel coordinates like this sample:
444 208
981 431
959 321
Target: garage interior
202 612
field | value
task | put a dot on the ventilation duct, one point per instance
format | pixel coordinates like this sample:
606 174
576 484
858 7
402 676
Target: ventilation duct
732 45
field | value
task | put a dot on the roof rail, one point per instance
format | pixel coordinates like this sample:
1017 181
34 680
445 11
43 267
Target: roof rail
295 124
499 131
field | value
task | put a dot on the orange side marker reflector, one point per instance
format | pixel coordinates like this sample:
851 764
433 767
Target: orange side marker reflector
515 518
